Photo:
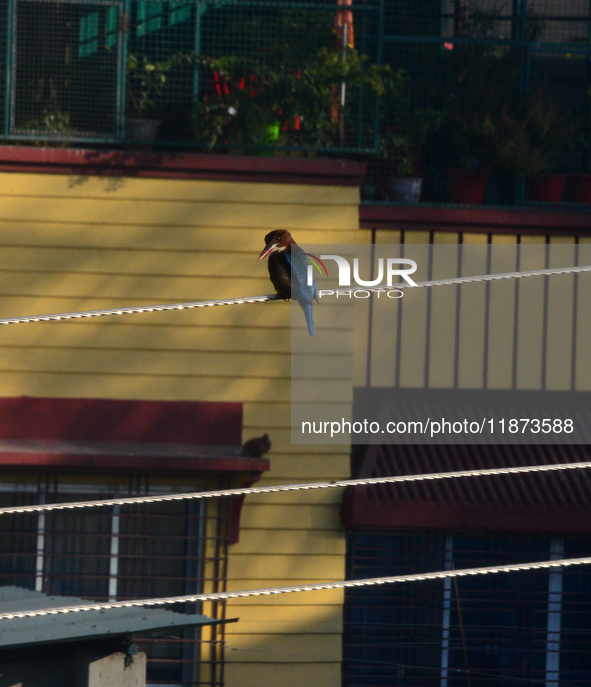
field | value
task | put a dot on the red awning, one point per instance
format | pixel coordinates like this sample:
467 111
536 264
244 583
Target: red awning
122 435
546 502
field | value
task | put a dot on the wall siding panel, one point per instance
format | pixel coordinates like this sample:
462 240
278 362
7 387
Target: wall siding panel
84 242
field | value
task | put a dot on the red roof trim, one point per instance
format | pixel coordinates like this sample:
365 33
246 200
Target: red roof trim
122 463
528 502
360 512
475 220
97 419
181 165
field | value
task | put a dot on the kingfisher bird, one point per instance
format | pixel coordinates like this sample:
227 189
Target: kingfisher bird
288 269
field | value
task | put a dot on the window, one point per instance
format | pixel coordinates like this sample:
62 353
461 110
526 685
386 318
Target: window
476 631
122 552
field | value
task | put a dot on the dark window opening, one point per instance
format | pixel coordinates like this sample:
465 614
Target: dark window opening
508 629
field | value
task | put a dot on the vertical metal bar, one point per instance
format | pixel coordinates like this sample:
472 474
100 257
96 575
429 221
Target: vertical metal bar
380 57
587 154
114 559
517 34
370 315
446 621
10 65
573 354
515 20
197 50
122 41
428 323
193 585
554 616
399 325
516 319
524 76
486 315
523 36
220 629
50 538
40 547
360 141
458 310
343 91
348 646
545 319
144 541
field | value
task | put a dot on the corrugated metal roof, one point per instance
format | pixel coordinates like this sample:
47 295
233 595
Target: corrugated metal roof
551 501
69 627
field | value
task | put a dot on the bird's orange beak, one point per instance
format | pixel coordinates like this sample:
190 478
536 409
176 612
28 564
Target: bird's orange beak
269 248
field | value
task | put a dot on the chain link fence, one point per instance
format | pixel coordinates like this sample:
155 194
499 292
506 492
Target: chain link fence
461 101
226 75
497 105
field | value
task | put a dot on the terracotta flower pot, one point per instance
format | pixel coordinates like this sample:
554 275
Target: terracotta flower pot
547 188
466 185
579 188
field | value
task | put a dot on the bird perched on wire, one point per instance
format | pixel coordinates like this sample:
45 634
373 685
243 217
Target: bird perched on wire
256 447
288 269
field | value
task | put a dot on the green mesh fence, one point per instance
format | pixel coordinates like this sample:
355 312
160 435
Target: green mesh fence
63 64
491 92
246 75
498 96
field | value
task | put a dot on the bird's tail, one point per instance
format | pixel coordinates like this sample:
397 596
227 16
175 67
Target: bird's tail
309 318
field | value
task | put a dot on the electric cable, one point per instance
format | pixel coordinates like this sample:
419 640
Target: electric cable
274 297
319 586
334 484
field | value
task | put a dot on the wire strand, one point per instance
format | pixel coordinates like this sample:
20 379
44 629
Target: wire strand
335 484
274 297
139 309
369 582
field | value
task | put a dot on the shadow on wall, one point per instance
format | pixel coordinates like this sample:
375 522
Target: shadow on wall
90 242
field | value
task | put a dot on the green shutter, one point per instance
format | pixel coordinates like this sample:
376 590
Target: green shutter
179 11
89 31
111 27
149 17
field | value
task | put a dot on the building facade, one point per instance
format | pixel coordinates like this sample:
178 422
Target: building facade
89 230
84 232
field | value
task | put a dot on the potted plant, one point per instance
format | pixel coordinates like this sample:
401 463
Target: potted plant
400 150
471 137
484 78
259 108
240 110
527 139
579 185
52 122
482 83
146 79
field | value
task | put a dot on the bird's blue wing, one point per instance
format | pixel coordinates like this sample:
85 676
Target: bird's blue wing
301 291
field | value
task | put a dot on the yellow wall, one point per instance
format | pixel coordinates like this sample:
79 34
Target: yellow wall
73 243
427 338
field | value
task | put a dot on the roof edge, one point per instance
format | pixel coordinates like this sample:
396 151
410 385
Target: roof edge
101 162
